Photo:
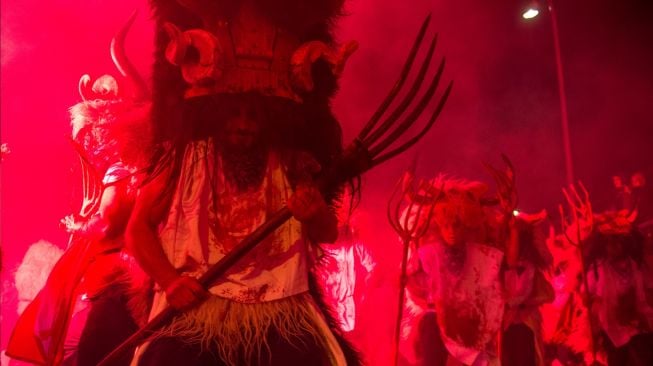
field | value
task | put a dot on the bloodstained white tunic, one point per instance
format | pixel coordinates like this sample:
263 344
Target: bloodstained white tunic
209 216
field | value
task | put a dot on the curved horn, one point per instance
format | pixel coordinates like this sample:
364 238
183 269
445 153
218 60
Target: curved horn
84 87
105 87
307 54
123 64
178 45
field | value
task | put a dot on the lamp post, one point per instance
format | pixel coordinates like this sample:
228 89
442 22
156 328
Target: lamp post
530 13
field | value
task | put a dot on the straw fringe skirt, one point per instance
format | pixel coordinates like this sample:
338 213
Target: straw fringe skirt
239 332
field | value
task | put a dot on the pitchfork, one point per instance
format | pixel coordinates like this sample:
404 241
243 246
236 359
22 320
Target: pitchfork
377 143
581 208
411 227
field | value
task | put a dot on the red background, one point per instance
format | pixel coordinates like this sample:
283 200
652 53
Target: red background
504 100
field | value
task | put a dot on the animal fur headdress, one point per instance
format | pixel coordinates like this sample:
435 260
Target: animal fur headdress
112 120
280 49
615 222
611 226
108 125
461 199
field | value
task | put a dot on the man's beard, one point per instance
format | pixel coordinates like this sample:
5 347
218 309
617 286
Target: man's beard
245 168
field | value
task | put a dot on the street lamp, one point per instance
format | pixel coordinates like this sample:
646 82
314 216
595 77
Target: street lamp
531 12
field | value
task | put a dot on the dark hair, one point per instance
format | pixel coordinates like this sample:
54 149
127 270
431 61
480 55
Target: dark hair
531 244
309 126
596 244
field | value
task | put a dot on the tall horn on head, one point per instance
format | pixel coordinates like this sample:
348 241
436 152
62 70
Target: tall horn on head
126 68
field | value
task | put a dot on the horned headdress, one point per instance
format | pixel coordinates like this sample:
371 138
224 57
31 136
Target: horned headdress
282 49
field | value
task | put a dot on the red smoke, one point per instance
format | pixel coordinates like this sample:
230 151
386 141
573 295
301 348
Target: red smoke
504 100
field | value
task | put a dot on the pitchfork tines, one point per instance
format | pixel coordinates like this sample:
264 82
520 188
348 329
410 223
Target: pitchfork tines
406 214
386 127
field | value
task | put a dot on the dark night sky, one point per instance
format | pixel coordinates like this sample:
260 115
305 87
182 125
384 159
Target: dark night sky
505 96
504 101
